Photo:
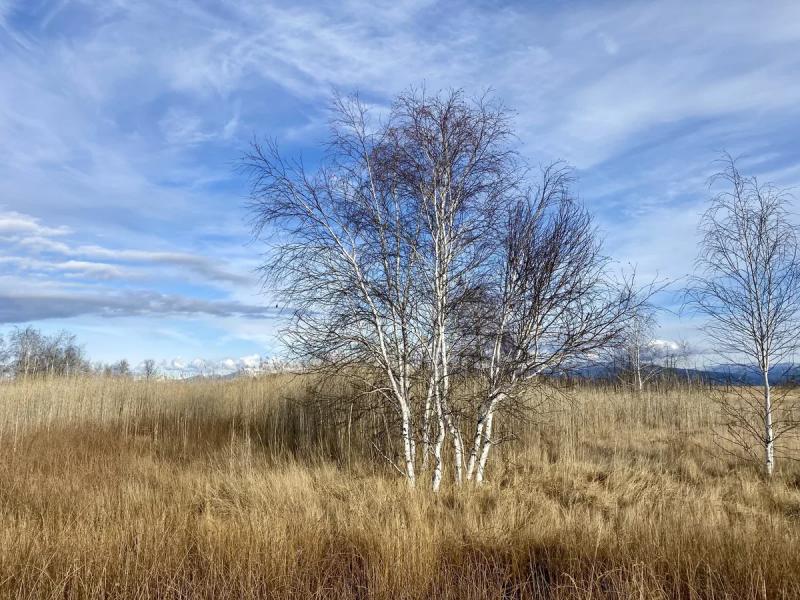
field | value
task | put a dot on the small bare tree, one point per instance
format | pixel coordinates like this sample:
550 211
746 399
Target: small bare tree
747 285
672 362
122 368
636 356
149 369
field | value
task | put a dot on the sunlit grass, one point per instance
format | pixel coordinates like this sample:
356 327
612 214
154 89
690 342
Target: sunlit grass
117 488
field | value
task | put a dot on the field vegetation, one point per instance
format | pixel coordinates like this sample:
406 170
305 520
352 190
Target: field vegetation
113 487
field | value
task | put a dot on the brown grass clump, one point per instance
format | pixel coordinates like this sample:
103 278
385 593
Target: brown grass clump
113 488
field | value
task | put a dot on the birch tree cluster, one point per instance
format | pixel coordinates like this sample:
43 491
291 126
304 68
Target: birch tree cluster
423 257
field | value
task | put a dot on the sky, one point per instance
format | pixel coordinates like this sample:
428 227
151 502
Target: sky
122 212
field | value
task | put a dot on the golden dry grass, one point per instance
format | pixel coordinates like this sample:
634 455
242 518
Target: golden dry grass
112 488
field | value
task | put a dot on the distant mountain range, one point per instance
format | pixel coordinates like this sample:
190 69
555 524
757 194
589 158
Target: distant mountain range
780 373
722 373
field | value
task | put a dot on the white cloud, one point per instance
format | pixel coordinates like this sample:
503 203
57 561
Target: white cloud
252 364
665 345
14 224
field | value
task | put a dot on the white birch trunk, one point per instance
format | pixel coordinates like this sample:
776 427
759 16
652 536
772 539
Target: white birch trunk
487 446
408 444
436 480
486 443
458 450
769 441
455 434
478 442
639 383
426 425
476 445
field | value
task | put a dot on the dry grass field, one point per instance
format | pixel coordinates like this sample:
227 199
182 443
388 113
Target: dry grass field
114 488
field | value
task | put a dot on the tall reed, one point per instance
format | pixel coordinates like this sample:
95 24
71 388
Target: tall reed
115 488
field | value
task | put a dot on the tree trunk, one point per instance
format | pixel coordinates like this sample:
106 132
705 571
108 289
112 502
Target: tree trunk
458 445
426 424
639 383
436 480
476 445
458 450
482 443
769 441
487 446
637 367
408 445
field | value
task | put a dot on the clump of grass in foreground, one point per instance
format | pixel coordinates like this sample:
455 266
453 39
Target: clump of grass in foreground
122 489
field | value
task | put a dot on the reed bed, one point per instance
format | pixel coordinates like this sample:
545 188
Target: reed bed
117 488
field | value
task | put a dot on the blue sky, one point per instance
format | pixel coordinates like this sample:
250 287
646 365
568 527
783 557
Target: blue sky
121 122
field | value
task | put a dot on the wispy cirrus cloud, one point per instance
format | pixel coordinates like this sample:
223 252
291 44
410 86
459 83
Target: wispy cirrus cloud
23 233
69 268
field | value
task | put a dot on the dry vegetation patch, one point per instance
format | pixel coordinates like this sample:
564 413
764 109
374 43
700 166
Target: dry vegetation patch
123 489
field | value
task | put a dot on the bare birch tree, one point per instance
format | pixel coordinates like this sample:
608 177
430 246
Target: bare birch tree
417 258
346 260
636 356
453 161
548 302
149 369
747 285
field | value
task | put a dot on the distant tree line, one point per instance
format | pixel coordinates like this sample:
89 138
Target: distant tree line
28 352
